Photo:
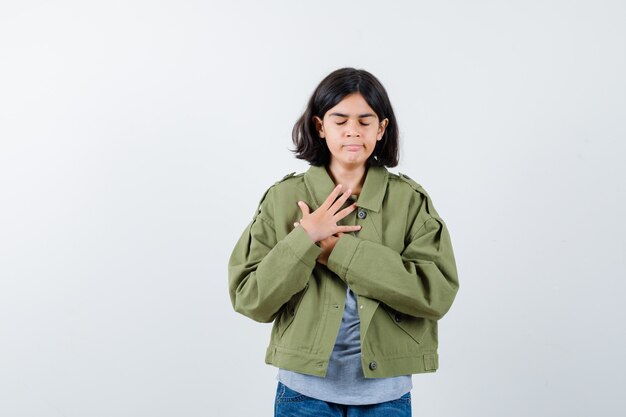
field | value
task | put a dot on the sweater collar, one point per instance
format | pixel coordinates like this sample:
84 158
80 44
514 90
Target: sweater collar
320 185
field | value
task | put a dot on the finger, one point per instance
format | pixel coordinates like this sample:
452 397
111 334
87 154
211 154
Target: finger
343 213
342 199
348 229
303 206
331 197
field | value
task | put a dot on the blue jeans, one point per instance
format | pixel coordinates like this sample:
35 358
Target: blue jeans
290 403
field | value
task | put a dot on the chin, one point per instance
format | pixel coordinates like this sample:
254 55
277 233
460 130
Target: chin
354 163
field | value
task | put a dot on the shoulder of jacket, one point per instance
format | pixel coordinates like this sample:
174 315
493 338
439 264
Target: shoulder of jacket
408 180
283 179
288 179
288 176
423 194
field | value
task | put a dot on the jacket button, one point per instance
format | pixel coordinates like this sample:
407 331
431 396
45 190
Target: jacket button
373 365
362 214
398 318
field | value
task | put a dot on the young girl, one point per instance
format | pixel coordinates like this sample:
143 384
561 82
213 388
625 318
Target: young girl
352 263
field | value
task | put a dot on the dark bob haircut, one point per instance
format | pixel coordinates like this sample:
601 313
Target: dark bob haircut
330 91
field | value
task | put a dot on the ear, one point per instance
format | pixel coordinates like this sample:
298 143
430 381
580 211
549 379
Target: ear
381 128
319 126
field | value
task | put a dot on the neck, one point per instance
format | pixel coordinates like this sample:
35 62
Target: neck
348 177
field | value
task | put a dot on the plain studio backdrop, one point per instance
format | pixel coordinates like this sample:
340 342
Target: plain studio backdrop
137 138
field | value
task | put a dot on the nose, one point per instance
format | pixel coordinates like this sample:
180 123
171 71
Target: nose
353 129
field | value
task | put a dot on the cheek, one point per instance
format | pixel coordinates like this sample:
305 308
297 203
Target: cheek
334 146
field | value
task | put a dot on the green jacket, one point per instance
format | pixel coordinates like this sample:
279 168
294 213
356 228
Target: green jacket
400 265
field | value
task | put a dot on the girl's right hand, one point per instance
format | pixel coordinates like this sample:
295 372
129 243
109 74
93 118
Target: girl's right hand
323 222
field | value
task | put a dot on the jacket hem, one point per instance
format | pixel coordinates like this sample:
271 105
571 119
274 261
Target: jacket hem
383 367
296 361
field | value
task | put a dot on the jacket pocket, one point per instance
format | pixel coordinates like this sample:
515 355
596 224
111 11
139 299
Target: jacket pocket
289 310
415 327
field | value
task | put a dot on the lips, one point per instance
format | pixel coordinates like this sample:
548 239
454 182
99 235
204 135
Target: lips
353 147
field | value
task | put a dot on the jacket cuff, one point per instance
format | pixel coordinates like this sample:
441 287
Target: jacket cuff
301 244
340 257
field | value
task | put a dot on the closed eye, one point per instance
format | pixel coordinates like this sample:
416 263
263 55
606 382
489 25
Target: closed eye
364 124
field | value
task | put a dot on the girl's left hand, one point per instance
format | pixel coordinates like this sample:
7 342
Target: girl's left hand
327 245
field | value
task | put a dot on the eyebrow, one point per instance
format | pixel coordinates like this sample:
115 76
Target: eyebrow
360 115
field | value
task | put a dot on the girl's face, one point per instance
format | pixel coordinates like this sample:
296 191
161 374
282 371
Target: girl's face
351 130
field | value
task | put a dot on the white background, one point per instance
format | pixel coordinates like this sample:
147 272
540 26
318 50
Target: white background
137 137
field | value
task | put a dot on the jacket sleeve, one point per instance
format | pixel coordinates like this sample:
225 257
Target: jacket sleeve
420 281
263 272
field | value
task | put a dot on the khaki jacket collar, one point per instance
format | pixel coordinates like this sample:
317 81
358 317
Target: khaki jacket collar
320 184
